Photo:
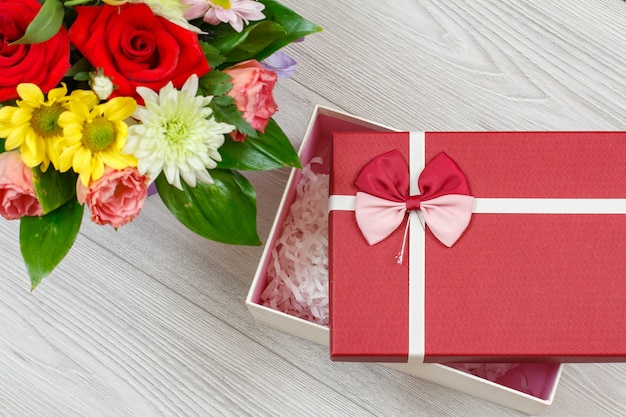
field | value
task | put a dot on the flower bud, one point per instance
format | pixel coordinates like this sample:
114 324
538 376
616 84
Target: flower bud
100 84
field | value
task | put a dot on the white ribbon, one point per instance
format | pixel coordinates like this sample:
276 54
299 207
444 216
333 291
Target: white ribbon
520 205
417 255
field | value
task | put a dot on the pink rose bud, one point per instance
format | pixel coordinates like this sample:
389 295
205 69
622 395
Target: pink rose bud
17 195
116 198
253 88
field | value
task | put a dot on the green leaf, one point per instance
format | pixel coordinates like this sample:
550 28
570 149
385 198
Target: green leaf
2 149
46 240
225 110
81 76
270 150
53 189
258 40
212 54
45 25
260 36
296 26
224 211
215 83
81 66
254 38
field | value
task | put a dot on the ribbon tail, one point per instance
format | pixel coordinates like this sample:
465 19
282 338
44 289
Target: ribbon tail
448 216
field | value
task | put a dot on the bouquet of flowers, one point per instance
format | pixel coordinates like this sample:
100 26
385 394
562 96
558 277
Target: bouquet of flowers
102 98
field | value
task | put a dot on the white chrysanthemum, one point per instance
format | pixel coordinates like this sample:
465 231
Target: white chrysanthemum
176 134
172 10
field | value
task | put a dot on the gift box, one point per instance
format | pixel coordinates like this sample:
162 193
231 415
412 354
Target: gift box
478 246
530 387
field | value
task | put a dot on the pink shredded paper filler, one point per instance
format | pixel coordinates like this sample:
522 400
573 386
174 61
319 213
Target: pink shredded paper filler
298 274
490 371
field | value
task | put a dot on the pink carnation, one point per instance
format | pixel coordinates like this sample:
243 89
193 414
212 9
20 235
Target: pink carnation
116 198
253 88
17 195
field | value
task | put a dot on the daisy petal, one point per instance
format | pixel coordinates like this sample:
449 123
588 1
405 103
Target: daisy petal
30 93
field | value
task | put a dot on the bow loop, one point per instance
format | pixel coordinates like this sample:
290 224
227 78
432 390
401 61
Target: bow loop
442 176
385 177
383 197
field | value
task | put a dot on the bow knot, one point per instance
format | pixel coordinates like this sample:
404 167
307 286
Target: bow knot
413 202
383 199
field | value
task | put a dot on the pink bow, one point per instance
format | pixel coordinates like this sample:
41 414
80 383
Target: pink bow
383 198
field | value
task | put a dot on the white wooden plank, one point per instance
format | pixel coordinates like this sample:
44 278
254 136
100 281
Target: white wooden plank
102 338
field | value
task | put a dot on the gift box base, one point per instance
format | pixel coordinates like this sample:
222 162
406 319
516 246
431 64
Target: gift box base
539 381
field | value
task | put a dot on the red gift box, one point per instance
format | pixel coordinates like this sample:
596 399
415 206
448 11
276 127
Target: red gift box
539 274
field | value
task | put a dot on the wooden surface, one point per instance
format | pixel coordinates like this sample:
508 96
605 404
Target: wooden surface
150 320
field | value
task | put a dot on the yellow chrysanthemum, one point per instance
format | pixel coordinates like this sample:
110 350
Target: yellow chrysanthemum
94 137
32 125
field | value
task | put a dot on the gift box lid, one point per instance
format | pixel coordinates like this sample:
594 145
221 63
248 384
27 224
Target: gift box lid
536 271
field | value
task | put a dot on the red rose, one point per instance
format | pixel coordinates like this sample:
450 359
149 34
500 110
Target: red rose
43 63
136 48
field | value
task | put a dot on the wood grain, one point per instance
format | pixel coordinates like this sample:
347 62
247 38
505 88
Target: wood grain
150 320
